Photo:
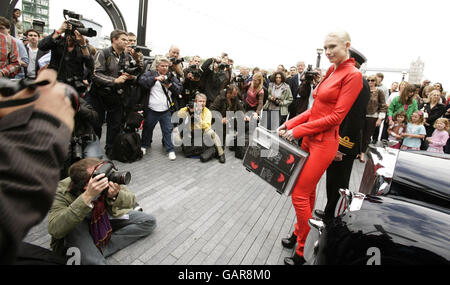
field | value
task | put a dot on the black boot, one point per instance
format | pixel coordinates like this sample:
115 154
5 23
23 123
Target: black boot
319 214
289 242
222 158
295 260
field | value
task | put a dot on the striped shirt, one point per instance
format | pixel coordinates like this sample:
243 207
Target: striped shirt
9 57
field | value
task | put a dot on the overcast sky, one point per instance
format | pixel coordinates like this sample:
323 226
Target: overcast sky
391 33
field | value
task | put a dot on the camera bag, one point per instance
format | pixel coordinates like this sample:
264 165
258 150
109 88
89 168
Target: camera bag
127 147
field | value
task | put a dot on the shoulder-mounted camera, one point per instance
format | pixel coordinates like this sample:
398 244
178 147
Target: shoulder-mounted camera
74 21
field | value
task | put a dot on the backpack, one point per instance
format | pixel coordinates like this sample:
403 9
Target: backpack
127 147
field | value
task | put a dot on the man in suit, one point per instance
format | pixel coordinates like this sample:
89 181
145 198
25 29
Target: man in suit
295 83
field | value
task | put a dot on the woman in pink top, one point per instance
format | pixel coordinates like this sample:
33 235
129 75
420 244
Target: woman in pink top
255 94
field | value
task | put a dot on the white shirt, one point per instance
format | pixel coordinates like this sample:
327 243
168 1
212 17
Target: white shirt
31 69
158 100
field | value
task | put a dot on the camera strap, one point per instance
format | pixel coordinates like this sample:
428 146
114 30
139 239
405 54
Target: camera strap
169 102
19 102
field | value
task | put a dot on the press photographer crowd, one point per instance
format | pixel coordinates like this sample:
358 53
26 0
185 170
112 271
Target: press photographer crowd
59 95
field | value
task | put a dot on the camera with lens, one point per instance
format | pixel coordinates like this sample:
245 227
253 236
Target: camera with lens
223 66
176 61
191 104
195 71
77 83
167 79
126 67
111 172
310 74
76 149
136 48
77 25
241 78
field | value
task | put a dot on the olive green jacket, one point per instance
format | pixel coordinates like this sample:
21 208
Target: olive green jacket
286 98
68 211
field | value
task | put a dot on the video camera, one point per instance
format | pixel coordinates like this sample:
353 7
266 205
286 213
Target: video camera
77 25
310 74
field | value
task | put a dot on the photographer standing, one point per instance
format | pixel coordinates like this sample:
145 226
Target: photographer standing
192 80
162 87
70 55
214 77
109 88
33 141
95 215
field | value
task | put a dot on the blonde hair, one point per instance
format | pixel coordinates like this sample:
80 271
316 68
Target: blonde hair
259 76
442 120
341 35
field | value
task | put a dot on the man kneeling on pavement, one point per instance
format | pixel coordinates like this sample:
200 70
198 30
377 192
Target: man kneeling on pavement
200 119
97 216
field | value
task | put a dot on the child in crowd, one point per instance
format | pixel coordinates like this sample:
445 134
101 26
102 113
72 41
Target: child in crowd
440 136
415 132
396 129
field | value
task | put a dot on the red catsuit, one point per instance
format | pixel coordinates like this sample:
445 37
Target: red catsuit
319 127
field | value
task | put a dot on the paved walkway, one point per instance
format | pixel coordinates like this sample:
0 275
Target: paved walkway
207 213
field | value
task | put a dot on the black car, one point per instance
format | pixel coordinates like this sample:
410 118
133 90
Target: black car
401 214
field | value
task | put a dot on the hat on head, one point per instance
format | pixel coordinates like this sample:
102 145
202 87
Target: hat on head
358 56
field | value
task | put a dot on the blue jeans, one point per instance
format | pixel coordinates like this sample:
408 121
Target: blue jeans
93 149
164 119
125 232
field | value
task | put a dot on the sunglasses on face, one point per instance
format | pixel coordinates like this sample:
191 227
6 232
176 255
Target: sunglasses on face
372 80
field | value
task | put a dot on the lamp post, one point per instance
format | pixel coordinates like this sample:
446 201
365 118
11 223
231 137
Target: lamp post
319 52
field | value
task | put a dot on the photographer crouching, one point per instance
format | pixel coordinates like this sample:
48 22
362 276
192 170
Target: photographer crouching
95 213
198 119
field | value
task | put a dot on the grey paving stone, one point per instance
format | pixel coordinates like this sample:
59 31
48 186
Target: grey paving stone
207 213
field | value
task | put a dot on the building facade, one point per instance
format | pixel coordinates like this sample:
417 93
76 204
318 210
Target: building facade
35 10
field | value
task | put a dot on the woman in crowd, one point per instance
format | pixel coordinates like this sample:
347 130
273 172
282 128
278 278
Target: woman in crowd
425 96
376 112
404 102
319 128
433 110
396 93
278 101
254 99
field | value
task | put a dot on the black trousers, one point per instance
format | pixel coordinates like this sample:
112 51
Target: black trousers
114 116
338 177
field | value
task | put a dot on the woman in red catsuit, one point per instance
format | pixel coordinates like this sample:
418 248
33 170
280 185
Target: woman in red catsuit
319 127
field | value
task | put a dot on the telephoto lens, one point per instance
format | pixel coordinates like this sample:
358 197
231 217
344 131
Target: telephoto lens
121 178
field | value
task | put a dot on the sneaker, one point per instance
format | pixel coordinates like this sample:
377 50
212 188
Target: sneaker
137 207
144 150
172 156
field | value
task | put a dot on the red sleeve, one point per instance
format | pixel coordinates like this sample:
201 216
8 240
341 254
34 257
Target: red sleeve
351 87
300 119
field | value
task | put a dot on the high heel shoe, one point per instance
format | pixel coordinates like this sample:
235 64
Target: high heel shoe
294 260
290 241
